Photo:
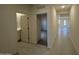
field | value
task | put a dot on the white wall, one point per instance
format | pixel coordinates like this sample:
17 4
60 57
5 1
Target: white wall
74 15
52 26
18 19
8 27
8 34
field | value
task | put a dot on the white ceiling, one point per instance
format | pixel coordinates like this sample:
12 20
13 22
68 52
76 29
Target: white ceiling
58 7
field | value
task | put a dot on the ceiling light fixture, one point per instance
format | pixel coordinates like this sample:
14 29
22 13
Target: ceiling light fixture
62 6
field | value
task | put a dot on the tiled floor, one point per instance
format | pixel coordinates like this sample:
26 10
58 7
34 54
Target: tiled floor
63 46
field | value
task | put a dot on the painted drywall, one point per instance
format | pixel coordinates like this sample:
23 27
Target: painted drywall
8 33
74 15
18 20
8 26
52 26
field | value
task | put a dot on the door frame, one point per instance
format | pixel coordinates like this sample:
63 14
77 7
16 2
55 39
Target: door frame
21 14
47 26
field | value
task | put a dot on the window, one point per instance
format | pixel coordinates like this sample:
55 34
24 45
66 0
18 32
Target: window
65 23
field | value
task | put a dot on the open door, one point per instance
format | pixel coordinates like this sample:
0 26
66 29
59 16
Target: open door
42 29
24 27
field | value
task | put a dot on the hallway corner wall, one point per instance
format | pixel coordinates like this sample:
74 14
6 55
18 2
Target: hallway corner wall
74 15
52 26
8 26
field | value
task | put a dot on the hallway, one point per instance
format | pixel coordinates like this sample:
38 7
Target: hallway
62 46
62 38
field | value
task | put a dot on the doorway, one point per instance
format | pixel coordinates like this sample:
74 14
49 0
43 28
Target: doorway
22 27
42 29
